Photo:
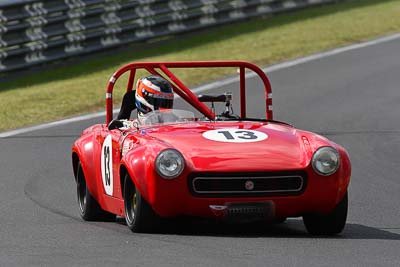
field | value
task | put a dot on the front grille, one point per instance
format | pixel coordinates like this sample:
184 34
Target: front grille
247 184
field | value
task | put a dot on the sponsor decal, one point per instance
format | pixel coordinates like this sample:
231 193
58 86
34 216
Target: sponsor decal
126 147
106 166
235 135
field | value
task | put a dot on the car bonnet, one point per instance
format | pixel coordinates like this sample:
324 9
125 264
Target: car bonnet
237 146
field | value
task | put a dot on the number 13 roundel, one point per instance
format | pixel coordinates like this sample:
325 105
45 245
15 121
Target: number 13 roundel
235 135
106 165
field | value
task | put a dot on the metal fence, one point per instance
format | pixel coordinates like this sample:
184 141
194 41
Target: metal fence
34 32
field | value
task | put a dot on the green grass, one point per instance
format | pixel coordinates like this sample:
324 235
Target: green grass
78 87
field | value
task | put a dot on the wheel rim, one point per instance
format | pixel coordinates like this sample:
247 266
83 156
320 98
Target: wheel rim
81 192
134 201
130 205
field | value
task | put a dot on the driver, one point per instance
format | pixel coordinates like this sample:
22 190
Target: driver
152 93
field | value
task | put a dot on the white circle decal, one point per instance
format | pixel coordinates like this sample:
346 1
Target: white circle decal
235 135
106 166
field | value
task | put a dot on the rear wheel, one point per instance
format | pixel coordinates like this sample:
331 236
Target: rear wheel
328 224
139 216
89 209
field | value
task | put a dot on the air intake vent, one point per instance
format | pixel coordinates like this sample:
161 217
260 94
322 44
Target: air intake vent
248 184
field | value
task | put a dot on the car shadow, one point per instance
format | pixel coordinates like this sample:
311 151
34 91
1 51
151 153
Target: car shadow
292 228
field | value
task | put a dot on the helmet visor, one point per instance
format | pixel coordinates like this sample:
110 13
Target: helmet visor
162 103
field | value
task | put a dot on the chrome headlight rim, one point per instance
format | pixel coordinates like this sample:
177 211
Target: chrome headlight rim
180 167
317 155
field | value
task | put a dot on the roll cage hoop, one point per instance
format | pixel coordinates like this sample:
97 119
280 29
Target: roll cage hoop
163 69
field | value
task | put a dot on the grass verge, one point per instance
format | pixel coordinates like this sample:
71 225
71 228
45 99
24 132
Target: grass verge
79 87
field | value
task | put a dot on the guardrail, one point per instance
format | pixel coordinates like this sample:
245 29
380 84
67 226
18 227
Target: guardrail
34 32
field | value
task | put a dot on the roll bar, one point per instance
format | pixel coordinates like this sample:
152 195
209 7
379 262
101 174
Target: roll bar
182 90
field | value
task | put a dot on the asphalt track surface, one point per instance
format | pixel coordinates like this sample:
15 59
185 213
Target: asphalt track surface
352 98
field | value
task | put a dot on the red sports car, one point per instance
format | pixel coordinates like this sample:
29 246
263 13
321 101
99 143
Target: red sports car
203 164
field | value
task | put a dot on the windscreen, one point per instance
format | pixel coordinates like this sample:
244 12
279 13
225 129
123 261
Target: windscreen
166 116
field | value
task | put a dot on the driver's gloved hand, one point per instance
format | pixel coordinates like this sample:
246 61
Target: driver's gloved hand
115 124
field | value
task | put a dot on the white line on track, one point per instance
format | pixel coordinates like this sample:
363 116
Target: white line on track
223 82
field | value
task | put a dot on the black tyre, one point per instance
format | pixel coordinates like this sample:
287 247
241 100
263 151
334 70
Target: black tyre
328 224
89 209
139 216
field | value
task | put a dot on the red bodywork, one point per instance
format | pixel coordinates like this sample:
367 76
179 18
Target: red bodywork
286 151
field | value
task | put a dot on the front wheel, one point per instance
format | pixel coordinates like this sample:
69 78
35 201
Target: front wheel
89 209
328 224
139 216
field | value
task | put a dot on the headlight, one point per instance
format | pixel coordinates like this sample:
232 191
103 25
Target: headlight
169 163
326 160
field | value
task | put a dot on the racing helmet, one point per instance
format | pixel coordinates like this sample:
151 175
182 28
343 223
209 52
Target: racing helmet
153 93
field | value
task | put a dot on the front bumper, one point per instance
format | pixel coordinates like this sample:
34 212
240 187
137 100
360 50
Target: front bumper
320 195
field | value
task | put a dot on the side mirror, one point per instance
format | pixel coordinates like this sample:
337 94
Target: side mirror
115 124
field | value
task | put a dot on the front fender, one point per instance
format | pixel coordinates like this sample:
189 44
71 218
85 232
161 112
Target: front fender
344 173
83 151
139 163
